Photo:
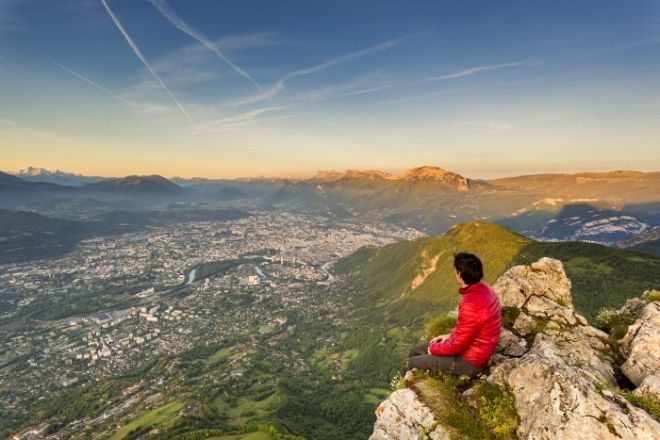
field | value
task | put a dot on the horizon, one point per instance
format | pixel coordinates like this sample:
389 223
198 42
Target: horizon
102 87
303 176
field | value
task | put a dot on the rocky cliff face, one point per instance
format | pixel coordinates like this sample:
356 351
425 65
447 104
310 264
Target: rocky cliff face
564 374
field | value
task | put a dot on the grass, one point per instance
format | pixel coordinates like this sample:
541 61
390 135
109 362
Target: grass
649 404
161 416
490 414
509 316
244 409
376 395
250 436
219 356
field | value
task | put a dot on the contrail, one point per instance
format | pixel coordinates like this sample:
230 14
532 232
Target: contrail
137 51
168 13
91 83
281 83
475 70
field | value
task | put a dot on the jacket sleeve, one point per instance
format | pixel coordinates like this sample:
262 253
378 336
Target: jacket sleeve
469 320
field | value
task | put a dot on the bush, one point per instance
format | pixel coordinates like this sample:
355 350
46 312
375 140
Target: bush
613 322
440 325
509 316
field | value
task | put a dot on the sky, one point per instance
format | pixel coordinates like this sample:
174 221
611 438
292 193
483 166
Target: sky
235 88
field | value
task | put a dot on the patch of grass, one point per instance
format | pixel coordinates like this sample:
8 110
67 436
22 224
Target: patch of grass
654 295
492 417
509 316
649 404
497 408
613 322
160 416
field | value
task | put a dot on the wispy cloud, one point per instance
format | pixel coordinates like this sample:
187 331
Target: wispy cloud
92 83
39 133
281 83
475 70
168 13
138 53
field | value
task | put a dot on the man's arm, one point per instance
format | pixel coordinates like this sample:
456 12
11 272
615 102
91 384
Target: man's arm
469 321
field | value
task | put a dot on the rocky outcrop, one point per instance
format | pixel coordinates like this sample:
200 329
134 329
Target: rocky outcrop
404 416
641 345
559 368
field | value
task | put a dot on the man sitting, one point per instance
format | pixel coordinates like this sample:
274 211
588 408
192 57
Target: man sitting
468 348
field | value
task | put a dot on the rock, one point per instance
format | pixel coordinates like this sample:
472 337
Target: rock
633 306
557 376
403 416
524 324
511 345
641 345
555 399
545 280
650 387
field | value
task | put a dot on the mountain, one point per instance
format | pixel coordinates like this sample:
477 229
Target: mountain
27 235
412 276
32 174
618 187
15 191
153 184
648 241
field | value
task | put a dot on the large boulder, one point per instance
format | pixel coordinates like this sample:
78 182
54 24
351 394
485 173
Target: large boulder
641 345
544 279
556 399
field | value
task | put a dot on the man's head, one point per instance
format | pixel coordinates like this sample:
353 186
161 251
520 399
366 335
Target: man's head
469 269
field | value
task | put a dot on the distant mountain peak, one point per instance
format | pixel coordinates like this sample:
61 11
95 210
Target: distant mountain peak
369 174
41 172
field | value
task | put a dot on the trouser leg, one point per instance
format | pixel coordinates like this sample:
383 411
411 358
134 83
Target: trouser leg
454 365
418 350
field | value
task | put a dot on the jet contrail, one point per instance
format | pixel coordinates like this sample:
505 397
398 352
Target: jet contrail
138 53
478 69
168 13
91 83
281 83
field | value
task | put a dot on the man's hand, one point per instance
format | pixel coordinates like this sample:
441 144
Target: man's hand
439 338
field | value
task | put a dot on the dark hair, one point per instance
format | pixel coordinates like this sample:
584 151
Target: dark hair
469 267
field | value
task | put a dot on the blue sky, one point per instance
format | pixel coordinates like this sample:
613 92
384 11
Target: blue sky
240 88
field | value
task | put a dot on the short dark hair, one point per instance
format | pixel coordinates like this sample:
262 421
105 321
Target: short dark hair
469 267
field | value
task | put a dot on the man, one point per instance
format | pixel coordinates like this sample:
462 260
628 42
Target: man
467 350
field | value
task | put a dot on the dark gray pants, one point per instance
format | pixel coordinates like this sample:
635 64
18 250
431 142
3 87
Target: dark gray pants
453 365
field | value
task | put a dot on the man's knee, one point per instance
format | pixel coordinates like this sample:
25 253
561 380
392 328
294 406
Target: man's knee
418 350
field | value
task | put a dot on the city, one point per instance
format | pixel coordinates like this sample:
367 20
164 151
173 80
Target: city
164 292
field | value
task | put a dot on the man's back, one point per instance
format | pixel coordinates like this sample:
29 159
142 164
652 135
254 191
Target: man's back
477 331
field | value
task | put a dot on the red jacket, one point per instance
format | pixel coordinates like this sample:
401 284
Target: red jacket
477 331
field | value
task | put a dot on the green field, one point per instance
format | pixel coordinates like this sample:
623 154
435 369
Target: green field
159 417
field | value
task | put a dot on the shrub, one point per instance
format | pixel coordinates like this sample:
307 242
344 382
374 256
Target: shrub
613 322
509 316
440 325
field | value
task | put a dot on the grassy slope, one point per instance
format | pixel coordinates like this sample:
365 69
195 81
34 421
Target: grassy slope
601 276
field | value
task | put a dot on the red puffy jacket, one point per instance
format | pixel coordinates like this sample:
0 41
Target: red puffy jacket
477 331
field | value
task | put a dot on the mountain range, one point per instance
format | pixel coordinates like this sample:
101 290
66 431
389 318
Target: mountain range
609 207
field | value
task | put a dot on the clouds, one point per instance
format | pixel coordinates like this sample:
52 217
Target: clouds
168 13
280 85
475 70
138 53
